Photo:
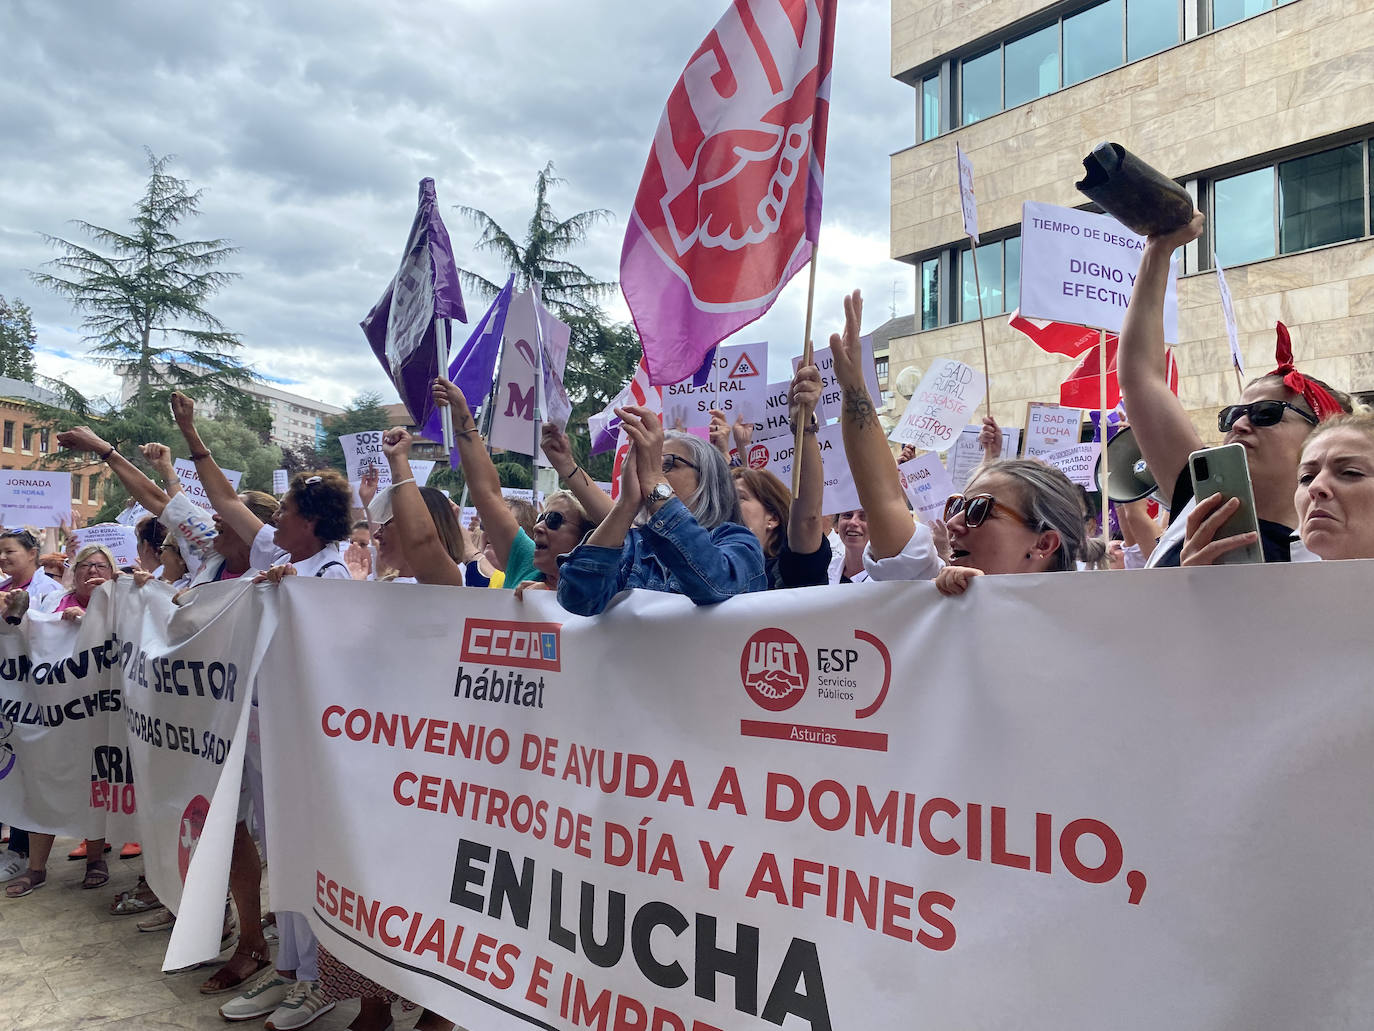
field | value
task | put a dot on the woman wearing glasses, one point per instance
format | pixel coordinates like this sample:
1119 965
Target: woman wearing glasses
1271 421
690 540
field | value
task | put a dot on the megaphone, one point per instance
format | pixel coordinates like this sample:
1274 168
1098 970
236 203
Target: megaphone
1128 479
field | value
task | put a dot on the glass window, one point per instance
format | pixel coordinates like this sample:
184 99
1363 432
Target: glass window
28 438
930 293
989 278
1243 223
1092 42
76 486
980 87
930 107
1032 65
44 441
92 481
1151 25
1228 12
9 434
1012 262
1321 199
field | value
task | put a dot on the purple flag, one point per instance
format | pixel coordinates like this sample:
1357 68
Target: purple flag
474 367
400 327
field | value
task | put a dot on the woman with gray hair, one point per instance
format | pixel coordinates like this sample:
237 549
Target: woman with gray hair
689 538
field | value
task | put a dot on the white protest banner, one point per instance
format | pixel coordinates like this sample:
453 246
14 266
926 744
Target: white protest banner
121 540
840 824
1078 462
967 203
927 485
190 482
534 497
1050 427
1228 311
775 455
280 482
737 386
965 454
773 421
512 423
940 407
34 497
1080 267
828 408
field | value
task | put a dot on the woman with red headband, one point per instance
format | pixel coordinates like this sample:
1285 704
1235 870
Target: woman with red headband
1272 419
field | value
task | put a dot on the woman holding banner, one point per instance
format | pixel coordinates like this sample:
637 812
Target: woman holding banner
690 540
1272 420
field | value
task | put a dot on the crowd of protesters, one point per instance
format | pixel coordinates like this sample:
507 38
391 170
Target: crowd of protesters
687 520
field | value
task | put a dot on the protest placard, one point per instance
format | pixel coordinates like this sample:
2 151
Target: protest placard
1228 311
1050 427
513 401
967 202
966 453
940 407
121 540
773 421
1080 267
737 385
280 482
35 497
190 481
775 455
828 408
1078 462
927 485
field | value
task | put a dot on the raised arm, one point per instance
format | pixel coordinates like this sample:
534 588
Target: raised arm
223 498
890 522
804 530
140 488
558 450
484 482
425 553
1162 428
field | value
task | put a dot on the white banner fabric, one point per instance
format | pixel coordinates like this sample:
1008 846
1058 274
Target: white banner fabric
681 817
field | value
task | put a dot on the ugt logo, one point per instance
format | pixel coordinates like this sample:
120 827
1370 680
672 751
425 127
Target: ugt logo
774 670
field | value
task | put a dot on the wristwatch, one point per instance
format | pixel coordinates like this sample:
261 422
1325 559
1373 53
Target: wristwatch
661 492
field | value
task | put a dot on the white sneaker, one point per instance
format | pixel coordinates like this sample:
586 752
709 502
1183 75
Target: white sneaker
12 864
262 997
302 1006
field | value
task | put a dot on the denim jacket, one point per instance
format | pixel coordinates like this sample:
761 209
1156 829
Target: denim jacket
672 553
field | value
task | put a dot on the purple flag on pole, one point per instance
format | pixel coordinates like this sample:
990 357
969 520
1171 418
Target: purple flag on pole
400 327
473 368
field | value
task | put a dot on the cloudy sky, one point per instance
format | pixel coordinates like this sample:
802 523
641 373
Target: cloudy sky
309 125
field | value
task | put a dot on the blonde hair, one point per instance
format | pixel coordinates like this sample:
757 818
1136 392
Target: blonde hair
1362 419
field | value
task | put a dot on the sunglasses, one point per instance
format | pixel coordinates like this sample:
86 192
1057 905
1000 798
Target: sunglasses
978 508
671 462
553 521
1260 413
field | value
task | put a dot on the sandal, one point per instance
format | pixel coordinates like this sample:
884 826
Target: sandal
25 883
225 980
97 875
140 900
159 921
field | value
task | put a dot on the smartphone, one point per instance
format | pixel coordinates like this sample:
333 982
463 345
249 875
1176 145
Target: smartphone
1225 471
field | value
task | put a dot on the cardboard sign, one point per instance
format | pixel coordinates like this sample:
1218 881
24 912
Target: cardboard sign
737 386
512 423
121 540
1228 311
1050 428
776 455
1078 462
967 202
927 485
940 406
280 482
1080 268
190 482
966 454
32 497
828 409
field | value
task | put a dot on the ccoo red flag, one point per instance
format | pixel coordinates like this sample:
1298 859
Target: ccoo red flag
729 207
1054 337
1082 390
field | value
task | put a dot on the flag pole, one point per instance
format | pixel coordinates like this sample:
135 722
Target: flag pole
807 358
1102 429
538 392
445 411
982 328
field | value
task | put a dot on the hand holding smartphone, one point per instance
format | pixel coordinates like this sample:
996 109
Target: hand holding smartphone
1223 472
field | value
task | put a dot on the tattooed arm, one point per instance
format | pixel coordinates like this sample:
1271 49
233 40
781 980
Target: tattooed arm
890 522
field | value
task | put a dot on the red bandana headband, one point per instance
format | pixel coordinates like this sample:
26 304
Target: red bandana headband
1323 404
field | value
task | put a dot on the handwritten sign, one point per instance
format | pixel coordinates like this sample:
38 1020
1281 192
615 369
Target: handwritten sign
737 385
967 202
121 540
1228 311
30 497
280 482
828 408
940 407
1050 428
927 485
1078 462
1079 267
967 454
190 481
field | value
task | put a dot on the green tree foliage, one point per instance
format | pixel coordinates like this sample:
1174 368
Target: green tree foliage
364 414
17 339
144 294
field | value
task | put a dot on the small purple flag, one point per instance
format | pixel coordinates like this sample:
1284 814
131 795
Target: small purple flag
400 327
473 368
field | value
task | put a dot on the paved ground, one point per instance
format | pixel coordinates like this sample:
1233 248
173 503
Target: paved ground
66 963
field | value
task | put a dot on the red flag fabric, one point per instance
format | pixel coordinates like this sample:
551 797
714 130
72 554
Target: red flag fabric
1081 389
729 207
1055 337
